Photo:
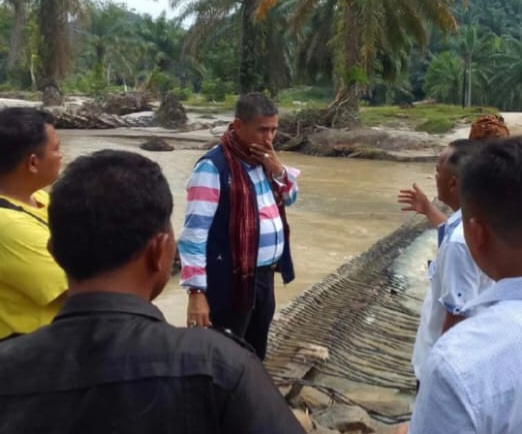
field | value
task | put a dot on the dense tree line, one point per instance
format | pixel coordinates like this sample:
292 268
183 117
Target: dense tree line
382 51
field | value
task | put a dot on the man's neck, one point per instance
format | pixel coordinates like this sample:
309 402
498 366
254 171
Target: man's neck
121 281
13 188
454 204
506 265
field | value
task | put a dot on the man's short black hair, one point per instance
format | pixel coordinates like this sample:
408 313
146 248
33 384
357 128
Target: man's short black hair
491 187
463 150
254 104
22 131
104 209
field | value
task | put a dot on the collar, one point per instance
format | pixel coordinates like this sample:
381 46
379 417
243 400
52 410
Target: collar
445 230
455 218
108 302
505 289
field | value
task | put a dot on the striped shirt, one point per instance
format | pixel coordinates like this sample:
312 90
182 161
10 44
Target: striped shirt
203 192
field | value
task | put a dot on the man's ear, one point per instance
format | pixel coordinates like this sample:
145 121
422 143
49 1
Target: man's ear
478 238
33 163
158 250
454 183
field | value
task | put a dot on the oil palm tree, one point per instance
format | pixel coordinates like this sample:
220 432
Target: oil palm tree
55 48
19 8
443 80
362 31
508 77
264 59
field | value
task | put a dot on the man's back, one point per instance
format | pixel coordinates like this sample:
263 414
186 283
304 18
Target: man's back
473 380
114 365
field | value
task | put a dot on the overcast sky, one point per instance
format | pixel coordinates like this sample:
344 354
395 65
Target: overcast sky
151 7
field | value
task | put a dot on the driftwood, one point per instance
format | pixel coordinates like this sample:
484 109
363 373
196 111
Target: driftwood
126 103
68 120
122 110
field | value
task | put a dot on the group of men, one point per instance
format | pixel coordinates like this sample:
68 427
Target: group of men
83 349
465 377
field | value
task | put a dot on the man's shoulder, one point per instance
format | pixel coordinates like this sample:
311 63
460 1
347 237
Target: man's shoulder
209 351
140 349
483 352
457 236
193 350
20 226
216 156
454 246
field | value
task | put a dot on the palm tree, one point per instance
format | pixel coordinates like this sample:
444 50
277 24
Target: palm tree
444 77
107 24
363 29
55 48
507 81
17 35
469 43
264 60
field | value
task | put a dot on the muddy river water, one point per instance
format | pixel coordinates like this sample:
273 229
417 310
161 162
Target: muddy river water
344 206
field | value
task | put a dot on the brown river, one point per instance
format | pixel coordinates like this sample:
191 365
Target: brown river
344 206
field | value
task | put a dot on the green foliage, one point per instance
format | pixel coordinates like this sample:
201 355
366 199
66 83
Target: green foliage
216 90
432 118
181 93
444 78
160 82
356 76
299 52
7 86
89 83
305 96
436 125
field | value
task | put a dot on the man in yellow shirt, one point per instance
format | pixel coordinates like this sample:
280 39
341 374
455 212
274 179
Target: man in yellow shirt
32 285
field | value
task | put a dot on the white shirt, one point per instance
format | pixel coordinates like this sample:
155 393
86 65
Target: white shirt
455 280
472 381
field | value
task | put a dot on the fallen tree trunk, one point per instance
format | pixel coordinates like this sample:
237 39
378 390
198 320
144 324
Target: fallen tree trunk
99 121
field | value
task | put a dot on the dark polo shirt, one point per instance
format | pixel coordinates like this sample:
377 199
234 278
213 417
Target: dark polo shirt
109 363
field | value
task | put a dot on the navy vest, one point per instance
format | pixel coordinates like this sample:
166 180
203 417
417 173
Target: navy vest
219 255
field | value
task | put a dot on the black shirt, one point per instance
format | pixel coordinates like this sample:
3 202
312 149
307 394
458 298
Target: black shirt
109 363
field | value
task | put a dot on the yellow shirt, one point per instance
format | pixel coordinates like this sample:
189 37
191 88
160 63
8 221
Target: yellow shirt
30 280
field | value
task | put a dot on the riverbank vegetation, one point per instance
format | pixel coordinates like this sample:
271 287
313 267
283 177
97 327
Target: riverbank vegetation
431 118
338 55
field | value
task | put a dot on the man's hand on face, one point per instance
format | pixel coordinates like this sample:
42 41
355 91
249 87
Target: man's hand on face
267 156
198 312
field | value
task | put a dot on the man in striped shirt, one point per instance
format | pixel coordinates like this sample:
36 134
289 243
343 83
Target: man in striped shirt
235 232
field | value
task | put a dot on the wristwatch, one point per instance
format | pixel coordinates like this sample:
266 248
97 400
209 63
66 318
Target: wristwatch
195 291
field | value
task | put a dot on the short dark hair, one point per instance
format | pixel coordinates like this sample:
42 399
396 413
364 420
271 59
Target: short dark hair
491 186
104 209
463 150
254 104
22 131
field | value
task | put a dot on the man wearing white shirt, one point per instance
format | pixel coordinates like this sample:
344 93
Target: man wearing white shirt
454 277
472 380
